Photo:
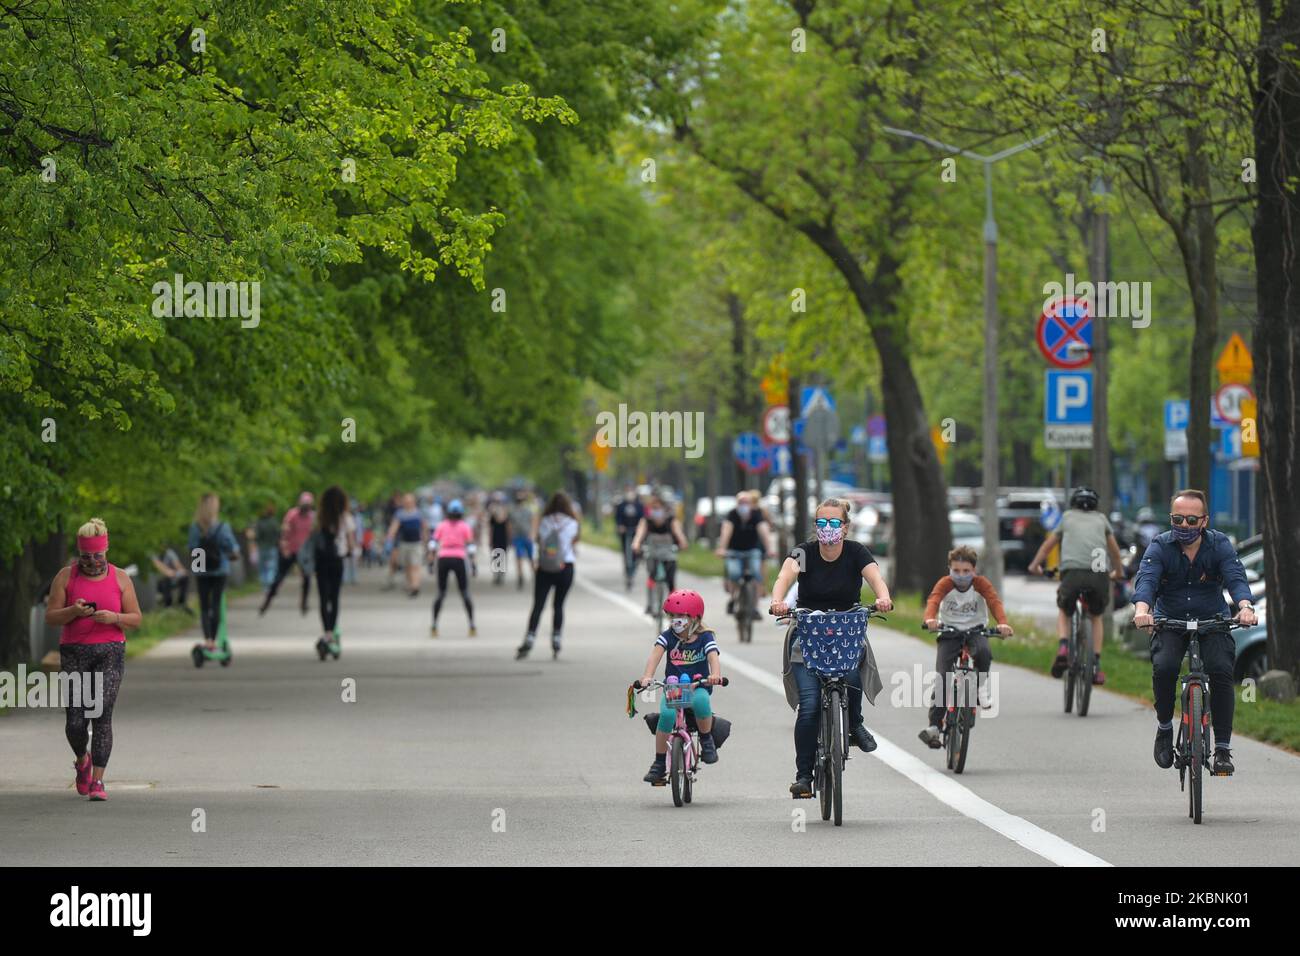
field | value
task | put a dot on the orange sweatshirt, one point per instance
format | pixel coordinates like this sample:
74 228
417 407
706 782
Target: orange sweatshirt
961 608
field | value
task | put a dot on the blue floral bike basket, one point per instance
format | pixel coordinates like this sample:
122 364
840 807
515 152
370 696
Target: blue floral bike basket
832 643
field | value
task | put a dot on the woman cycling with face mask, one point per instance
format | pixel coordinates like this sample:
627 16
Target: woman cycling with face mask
744 540
661 530
830 572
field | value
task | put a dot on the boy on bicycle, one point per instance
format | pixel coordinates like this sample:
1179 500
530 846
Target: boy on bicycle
962 600
692 655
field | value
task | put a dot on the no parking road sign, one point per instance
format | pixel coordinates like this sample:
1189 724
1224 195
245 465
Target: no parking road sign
750 452
1065 333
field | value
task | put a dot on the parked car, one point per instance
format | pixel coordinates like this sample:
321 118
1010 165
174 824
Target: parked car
1020 524
1252 648
709 513
967 530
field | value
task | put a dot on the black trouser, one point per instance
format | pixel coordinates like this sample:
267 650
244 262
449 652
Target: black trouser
670 578
329 579
286 562
1218 654
166 587
109 660
625 542
454 566
949 650
210 588
542 584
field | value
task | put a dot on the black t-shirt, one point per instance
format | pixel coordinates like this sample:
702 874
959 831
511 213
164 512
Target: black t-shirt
744 533
833 585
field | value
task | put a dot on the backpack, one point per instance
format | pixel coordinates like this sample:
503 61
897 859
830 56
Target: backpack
210 545
551 556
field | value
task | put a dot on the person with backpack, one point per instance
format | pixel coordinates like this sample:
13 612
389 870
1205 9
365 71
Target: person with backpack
558 532
212 544
334 539
453 537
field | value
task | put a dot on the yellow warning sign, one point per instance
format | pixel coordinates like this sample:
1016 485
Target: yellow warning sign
1235 365
940 446
1249 428
599 455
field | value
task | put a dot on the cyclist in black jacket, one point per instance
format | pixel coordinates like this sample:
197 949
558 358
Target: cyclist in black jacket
1183 575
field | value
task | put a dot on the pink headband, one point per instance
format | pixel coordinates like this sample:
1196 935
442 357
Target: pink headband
92 545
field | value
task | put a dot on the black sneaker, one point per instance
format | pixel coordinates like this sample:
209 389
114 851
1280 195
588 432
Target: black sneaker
657 775
801 789
708 749
1164 750
731 606
1062 662
932 737
862 738
1222 762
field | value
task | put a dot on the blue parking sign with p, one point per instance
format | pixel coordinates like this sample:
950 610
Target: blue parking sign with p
1068 397
1177 412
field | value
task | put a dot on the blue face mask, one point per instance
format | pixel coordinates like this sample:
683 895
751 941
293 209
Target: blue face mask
961 580
1185 534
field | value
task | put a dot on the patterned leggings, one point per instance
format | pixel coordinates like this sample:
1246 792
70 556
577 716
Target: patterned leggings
109 660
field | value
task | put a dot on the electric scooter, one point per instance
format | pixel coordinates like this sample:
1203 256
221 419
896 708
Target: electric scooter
221 653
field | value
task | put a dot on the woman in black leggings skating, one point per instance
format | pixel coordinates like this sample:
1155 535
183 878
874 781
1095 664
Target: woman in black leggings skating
335 539
557 534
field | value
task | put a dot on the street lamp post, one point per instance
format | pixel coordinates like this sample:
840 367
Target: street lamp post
992 557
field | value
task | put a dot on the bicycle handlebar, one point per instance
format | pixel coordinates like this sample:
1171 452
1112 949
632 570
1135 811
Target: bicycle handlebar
804 611
1208 624
965 631
656 683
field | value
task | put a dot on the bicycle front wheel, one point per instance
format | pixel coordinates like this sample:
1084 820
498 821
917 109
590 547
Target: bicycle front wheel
821 772
676 770
965 723
1195 749
837 757
1083 689
1071 670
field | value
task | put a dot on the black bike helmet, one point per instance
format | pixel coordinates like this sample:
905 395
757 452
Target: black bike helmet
1084 498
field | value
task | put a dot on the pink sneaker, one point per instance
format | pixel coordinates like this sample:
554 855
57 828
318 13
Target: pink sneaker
83 776
1098 677
97 790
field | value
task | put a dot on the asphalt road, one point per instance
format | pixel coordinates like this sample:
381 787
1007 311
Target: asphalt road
454 753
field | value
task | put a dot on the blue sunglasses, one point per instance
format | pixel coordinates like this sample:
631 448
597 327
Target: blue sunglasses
829 523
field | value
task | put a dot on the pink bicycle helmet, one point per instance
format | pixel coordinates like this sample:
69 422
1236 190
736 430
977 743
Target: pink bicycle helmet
684 602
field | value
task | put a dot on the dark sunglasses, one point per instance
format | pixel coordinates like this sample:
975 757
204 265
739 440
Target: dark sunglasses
829 523
1186 519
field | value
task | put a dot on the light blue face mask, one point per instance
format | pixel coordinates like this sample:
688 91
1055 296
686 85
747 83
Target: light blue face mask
962 581
678 624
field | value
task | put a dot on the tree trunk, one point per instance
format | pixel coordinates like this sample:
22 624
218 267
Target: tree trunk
1277 336
741 404
921 533
22 577
799 470
1200 251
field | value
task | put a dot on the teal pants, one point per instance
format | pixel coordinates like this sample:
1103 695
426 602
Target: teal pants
700 704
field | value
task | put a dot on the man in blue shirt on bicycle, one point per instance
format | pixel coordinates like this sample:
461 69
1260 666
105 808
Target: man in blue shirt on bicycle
1183 575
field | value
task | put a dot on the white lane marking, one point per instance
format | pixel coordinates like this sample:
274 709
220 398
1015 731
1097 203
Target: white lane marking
939 785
